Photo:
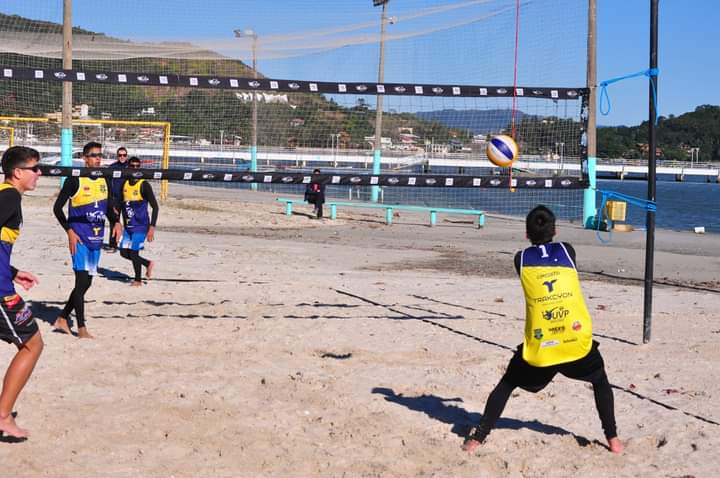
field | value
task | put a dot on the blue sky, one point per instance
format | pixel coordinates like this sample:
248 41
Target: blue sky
688 45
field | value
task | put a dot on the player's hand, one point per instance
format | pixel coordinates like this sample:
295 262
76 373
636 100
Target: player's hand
117 232
73 241
26 280
151 234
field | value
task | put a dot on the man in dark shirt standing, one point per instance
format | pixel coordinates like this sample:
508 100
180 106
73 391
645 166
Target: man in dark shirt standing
17 325
116 191
315 194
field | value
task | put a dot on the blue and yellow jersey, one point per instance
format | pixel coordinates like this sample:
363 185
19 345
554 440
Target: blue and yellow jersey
86 213
9 231
135 207
558 327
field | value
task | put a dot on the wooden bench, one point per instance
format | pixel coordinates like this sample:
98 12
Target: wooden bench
389 208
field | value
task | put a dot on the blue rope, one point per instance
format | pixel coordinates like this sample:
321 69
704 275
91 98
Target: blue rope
605 195
606 97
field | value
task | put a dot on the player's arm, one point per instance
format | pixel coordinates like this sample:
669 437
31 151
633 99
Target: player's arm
149 196
10 199
112 207
69 189
147 193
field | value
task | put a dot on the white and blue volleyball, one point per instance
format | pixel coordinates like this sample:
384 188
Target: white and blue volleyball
502 150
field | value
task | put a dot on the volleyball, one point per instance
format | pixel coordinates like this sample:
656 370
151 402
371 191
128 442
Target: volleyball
502 150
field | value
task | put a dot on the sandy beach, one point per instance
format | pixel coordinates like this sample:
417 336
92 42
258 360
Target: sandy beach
269 345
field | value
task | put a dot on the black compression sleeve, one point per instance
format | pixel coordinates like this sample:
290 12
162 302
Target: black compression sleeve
112 206
147 193
69 189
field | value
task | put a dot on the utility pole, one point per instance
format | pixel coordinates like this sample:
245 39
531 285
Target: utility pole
253 143
375 191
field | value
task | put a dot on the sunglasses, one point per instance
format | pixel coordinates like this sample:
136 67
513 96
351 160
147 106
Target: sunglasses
94 155
121 155
134 165
34 169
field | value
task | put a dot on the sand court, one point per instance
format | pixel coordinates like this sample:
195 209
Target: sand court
274 346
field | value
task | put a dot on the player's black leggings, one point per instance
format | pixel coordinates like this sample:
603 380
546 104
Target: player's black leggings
76 301
137 261
604 402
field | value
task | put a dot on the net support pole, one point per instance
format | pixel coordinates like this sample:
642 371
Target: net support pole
652 148
377 154
66 128
589 204
590 213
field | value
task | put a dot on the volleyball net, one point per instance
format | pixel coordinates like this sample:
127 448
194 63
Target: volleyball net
451 76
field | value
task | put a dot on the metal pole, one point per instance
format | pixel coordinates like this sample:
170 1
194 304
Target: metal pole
66 127
253 147
165 160
652 146
375 192
589 200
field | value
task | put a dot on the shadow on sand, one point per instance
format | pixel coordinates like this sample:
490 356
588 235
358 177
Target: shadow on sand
461 420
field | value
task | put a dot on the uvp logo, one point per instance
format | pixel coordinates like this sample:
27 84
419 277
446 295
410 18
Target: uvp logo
557 313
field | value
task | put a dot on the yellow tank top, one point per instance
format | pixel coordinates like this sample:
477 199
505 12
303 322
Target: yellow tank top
131 192
91 191
558 327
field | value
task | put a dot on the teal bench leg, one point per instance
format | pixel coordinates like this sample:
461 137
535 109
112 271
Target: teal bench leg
481 220
288 208
333 212
388 215
433 218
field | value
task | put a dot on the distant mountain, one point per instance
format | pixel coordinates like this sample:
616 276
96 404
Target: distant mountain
476 121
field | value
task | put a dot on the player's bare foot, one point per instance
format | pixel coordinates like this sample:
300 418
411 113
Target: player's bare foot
61 325
10 428
615 445
84 334
136 283
470 445
149 271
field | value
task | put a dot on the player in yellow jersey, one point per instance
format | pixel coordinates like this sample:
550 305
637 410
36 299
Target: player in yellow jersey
558 331
17 324
90 203
137 194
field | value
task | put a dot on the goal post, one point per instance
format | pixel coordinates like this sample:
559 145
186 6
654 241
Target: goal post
48 140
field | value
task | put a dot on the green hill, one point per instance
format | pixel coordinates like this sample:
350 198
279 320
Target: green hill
199 113
675 135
